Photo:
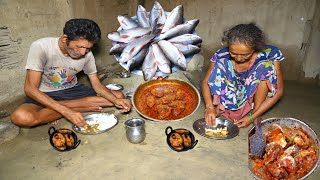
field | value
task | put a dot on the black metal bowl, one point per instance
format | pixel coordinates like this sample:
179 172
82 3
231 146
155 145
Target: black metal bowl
65 133
180 131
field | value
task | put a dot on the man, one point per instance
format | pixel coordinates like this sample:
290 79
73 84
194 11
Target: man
51 84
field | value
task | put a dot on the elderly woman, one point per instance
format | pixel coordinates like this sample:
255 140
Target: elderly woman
244 79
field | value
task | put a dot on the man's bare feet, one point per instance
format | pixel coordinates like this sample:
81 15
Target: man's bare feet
55 122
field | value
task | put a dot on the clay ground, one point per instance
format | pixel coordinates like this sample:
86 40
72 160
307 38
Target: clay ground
111 156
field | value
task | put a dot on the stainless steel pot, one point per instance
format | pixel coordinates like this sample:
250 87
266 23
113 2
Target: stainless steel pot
135 130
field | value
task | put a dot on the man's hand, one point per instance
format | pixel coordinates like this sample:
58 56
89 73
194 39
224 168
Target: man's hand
75 117
123 104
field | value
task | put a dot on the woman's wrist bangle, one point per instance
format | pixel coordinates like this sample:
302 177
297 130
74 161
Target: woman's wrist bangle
251 118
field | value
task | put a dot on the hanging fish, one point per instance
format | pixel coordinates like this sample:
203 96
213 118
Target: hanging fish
173 54
198 44
187 49
157 15
137 60
175 18
149 65
128 35
185 28
127 22
117 48
134 47
162 62
186 39
142 17
155 41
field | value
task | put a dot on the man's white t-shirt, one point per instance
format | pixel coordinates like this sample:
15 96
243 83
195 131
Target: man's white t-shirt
59 71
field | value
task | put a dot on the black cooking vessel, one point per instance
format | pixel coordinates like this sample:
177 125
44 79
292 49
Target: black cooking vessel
185 148
52 131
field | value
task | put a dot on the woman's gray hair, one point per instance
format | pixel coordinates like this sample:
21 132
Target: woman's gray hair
248 34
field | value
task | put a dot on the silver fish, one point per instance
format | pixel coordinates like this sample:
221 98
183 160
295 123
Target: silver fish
162 62
143 17
115 36
198 44
187 49
127 22
173 54
134 47
128 35
137 60
186 39
149 65
157 15
175 18
117 48
185 28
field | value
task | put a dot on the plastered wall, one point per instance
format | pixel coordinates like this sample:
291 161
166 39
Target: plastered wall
292 25
311 61
22 22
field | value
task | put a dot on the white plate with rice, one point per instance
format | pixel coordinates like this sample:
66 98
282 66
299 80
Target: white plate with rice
98 123
222 124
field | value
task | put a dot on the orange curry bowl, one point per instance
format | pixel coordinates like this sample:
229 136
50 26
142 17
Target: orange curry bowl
166 100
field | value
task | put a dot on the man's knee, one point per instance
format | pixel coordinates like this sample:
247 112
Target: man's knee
23 119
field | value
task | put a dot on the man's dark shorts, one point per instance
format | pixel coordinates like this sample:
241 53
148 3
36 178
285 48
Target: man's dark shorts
77 92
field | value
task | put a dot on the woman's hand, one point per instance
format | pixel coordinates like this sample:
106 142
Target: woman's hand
210 116
211 112
244 122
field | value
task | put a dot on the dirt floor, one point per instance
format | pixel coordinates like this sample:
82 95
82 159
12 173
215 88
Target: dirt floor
111 156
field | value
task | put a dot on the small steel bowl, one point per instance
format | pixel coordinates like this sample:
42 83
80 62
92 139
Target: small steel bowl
135 130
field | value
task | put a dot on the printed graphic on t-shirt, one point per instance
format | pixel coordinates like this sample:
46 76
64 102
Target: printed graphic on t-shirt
61 77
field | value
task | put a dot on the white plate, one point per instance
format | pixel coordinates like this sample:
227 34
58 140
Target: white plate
105 121
117 87
200 125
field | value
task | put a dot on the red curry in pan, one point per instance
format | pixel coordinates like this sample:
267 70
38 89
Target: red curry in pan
166 99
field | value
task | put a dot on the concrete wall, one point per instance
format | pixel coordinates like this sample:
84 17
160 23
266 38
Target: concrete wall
311 57
292 25
21 23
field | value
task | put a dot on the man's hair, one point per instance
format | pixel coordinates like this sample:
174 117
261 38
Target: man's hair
248 34
82 28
